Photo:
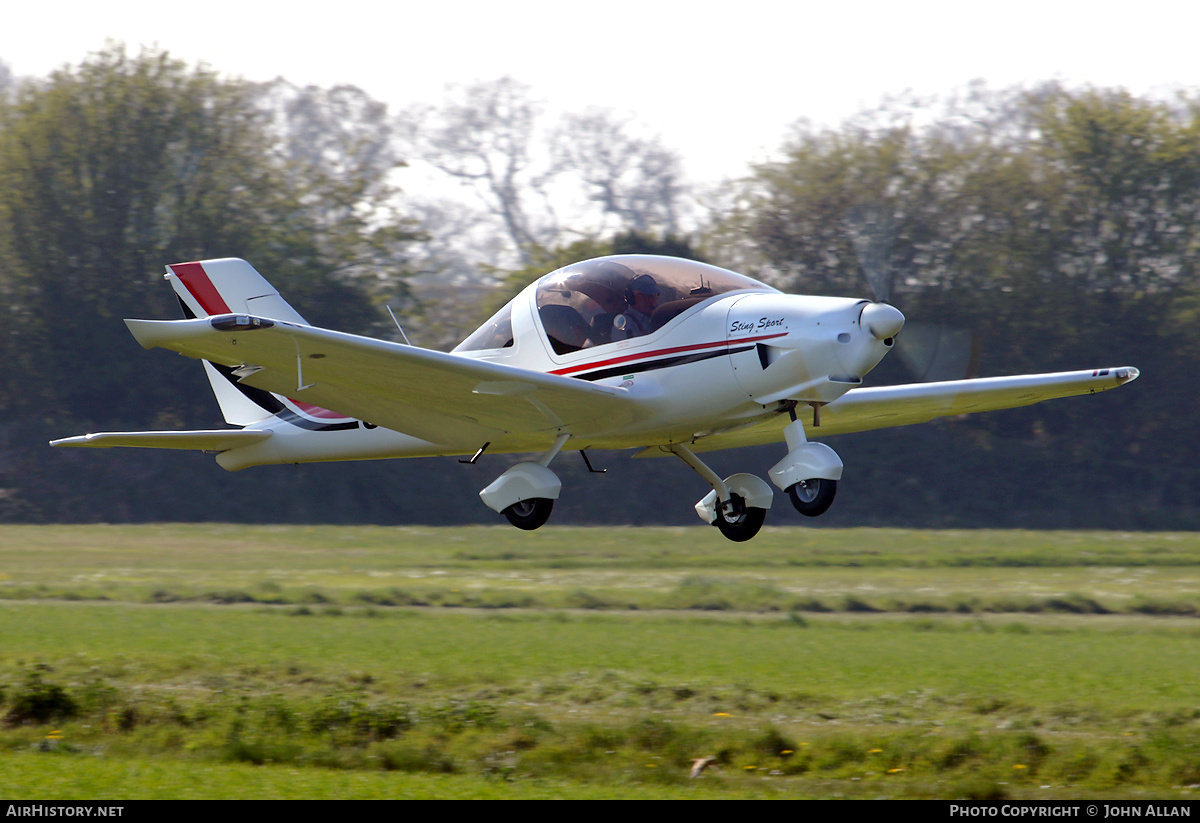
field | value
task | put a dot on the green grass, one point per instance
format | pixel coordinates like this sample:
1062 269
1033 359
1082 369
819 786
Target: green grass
781 570
600 663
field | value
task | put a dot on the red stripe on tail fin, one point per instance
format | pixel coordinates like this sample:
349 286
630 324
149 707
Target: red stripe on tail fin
193 276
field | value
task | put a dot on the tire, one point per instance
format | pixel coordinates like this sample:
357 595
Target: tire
812 497
530 514
739 522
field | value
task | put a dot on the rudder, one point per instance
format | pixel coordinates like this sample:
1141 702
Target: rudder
230 285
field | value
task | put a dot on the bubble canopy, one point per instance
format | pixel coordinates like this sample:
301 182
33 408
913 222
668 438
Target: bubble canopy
585 304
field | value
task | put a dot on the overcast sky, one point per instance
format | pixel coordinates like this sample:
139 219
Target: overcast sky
719 82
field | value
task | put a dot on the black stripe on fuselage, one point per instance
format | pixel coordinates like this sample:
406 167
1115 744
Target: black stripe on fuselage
271 404
654 365
267 401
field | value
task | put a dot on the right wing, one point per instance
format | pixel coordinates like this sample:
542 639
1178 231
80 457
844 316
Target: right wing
878 408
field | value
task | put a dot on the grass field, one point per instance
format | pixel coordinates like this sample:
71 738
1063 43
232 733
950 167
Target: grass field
231 661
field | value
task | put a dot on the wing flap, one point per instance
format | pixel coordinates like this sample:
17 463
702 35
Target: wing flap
438 397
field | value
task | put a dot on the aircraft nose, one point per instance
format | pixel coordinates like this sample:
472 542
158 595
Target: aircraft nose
881 320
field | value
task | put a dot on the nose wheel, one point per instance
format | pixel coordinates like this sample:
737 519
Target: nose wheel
812 498
530 514
808 472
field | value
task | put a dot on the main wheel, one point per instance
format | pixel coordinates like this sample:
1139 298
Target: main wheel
530 514
812 497
737 521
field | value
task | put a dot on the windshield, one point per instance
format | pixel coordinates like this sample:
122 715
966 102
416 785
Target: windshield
616 298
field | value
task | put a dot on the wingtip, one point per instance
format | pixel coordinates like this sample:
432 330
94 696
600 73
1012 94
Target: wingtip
142 331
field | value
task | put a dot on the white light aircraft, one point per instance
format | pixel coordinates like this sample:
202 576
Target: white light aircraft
660 354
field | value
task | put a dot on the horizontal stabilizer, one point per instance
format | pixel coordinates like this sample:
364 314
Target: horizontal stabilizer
215 440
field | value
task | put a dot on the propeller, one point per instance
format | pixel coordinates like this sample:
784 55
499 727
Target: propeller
872 232
934 352
930 351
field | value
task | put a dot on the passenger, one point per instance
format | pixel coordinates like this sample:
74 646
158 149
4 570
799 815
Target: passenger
642 296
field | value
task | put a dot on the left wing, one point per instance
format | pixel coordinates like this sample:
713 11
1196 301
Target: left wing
442 398
877 408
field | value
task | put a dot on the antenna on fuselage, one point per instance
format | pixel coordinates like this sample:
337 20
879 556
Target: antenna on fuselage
397 322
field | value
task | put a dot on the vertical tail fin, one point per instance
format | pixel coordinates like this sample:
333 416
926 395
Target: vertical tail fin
231 286
228 286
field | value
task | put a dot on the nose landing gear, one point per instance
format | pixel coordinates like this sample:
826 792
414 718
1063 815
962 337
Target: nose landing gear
529 514
812 497
808 472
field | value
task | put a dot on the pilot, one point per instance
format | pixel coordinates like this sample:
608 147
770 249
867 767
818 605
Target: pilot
642 295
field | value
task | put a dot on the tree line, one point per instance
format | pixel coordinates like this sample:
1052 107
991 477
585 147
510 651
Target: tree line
1020 230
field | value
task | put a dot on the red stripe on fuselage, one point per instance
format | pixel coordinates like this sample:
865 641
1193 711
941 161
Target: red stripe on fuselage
630 358
196 279
317 411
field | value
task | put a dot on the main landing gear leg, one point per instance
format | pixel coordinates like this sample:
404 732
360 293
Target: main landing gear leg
737 505
525 494
809 473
